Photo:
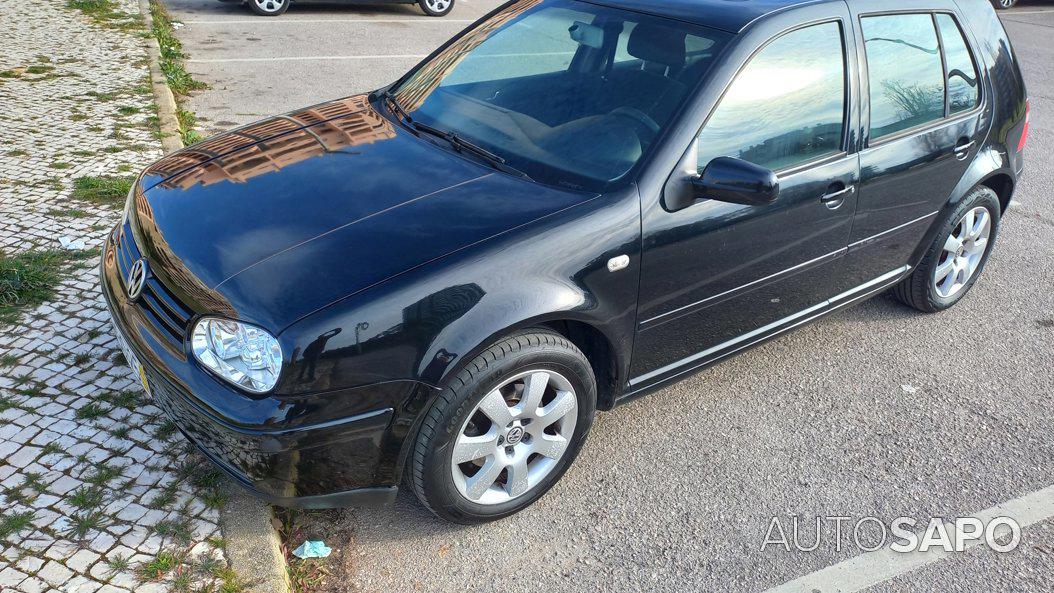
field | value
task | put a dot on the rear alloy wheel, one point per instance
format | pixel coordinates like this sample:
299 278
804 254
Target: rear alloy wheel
269 7
436 7
504 430
957 255
1004 4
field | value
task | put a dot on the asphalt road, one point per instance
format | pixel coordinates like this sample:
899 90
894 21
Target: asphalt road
874 411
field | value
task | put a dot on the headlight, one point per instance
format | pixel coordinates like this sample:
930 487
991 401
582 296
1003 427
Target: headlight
243 354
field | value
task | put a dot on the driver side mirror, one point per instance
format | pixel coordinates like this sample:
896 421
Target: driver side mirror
726 179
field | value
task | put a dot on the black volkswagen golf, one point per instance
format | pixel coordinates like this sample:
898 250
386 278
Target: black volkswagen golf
568 205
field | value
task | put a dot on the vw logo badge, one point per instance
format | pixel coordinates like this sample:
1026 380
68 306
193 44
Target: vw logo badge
136 279
514 436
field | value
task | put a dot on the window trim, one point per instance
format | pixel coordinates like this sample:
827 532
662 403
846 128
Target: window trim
842 151
930 125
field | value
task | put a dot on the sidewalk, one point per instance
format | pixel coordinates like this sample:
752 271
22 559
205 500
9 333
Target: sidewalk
98 492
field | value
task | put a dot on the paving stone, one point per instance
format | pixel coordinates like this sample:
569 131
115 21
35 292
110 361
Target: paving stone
55 574
9 577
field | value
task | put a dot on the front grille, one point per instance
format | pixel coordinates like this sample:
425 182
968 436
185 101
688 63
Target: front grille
164 311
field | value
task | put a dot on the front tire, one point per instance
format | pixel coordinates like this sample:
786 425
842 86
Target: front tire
504 429
269 7
436 7
956 257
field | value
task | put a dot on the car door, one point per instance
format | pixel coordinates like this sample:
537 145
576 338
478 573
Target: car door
924 119
717 274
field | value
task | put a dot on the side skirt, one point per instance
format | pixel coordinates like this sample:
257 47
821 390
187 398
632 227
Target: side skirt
660 377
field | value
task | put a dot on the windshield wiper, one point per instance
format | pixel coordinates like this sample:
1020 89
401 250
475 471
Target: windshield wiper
461 145
397 107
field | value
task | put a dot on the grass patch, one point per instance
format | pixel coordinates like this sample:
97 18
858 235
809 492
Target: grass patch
18 152
60 165
187 122
67 213
28 279
127 110
111 190
8 403
8 360
172 56
15 522
104 12
117 563
39 69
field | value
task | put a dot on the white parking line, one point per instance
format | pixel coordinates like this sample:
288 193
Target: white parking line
872 568
317 21
1013 12
295 58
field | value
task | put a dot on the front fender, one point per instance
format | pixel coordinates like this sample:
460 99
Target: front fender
422 324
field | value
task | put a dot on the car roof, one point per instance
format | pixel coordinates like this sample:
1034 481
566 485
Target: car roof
727 15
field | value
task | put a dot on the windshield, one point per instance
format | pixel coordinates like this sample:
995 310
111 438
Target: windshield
570 93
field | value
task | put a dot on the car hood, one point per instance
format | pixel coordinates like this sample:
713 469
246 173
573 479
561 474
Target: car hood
273 221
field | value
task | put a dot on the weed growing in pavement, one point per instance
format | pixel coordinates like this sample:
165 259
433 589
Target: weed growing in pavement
85 523
157 568
81 359
9 403
127 110
117 563
165 430
18 152
29 279
121 432
91 411
8 360
103 189
103 474
60 165
11 524
179 531
129 400
51 448
86 497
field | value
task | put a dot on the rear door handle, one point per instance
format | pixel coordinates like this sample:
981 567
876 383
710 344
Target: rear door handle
963 150
834 199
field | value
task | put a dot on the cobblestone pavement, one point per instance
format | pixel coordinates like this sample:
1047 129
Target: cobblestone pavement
97 491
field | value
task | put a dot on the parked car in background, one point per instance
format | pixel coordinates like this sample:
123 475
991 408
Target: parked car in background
568 205
277 7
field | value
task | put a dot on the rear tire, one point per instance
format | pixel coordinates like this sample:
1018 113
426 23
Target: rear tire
957 256
436 7
1004 4
504 429
269 7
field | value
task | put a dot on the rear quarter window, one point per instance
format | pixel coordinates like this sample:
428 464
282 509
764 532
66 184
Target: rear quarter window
963 84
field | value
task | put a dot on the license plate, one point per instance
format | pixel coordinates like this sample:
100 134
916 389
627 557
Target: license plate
133 360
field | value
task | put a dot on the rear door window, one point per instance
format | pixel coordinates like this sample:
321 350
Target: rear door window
905 73
963 88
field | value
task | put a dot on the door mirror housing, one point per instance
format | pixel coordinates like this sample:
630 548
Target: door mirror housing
727 179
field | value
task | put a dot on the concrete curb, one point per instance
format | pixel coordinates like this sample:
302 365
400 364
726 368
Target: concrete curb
171 140
253 547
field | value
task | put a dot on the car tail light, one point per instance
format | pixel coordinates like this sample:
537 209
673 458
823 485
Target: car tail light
1024 130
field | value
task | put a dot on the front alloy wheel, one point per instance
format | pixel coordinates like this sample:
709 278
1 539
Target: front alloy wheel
504 429
514 437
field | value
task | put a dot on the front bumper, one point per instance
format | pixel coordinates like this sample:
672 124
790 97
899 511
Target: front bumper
317 451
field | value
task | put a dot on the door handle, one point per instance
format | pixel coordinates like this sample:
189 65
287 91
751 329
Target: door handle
963 150
834 199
